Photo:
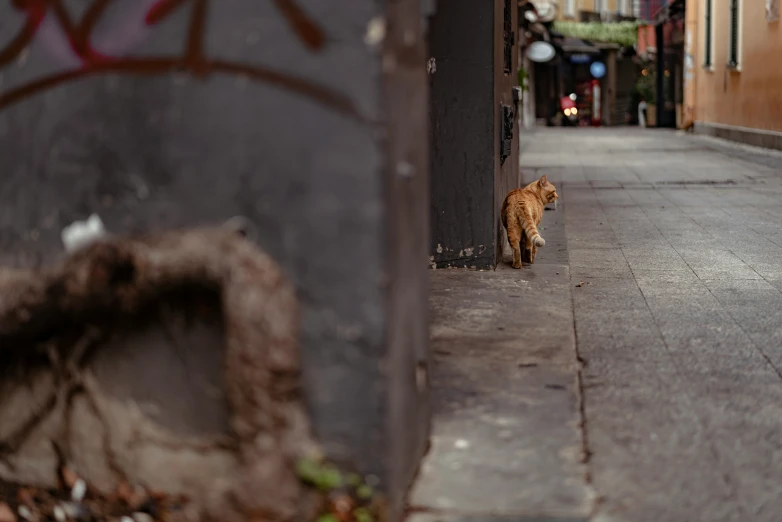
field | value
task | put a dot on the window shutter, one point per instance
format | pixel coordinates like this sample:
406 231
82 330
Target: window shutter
733 53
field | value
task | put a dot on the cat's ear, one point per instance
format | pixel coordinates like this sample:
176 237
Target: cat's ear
542 180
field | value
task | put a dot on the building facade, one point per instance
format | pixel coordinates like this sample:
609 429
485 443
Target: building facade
731 52
573 9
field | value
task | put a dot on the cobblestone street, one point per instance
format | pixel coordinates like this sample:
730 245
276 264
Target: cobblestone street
673 246
679 322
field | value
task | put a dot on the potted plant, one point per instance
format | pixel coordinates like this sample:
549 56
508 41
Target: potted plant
646 89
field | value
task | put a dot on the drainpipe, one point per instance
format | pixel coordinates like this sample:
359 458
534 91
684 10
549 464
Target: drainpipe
660 97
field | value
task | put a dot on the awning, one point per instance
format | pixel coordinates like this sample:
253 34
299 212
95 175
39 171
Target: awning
576 45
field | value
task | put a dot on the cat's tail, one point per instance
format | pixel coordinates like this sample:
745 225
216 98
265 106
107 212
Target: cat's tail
532 232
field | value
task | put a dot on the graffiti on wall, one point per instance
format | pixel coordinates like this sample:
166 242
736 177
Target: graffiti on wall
72 41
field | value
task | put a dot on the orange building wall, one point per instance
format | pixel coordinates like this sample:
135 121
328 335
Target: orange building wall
752 96
647 37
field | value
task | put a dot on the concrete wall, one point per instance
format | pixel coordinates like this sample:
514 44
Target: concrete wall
406 174
288 120
748 97
467 88
462 125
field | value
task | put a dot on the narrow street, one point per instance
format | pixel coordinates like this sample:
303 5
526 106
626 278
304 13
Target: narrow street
633 373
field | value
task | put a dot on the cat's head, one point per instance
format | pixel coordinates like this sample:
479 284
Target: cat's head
547 190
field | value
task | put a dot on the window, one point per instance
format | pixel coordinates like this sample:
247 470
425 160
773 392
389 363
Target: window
570 8
735 30
707 45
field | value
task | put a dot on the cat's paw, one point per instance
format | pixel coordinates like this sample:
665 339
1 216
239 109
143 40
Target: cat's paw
516 265
540 242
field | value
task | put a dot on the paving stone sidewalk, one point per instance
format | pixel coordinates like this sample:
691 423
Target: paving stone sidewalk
679 324
506 432
672 246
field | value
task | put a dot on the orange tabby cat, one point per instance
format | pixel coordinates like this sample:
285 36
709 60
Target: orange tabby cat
521 213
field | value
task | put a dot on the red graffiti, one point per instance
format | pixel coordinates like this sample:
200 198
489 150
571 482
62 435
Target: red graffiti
78 34
194 59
